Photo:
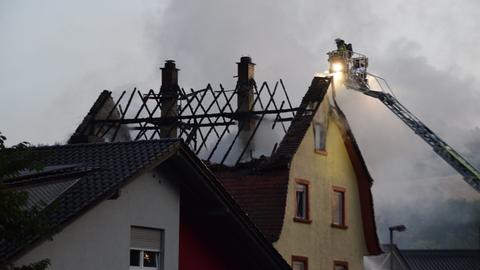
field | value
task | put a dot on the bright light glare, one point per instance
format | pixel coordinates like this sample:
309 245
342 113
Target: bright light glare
338 78
322 74
337 67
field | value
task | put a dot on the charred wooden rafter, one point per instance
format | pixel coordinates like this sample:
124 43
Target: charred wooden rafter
203 116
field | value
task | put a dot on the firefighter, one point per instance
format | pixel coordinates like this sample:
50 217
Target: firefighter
349 47
341 46
349 50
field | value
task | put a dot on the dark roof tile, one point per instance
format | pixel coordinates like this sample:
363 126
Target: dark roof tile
262 197
442 259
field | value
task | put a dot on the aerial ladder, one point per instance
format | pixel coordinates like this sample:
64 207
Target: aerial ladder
354 67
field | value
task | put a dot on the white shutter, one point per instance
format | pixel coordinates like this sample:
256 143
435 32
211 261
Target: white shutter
145 238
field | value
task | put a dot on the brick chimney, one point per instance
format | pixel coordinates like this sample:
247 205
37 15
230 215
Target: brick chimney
245 86
168 99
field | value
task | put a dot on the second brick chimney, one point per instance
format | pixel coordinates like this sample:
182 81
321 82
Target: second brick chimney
245 87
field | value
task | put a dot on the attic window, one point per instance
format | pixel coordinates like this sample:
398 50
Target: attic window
302 201
320 136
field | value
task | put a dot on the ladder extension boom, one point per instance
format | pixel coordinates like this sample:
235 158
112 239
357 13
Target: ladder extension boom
354 65
446 152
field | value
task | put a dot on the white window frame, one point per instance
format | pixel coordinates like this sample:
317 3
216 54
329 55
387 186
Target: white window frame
159 258
305 202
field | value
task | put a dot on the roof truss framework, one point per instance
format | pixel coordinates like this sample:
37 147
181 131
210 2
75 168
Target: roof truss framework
204 118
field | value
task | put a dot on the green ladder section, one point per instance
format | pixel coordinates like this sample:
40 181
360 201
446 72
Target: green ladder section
470 174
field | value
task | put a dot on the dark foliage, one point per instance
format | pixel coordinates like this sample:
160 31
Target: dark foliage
17 221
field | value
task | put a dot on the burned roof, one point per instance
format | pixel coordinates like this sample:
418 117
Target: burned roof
218 124
301 122
208 115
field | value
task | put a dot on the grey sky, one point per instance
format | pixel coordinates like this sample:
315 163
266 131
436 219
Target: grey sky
56 57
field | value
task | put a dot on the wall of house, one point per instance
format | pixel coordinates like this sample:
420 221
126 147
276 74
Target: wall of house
319 241
204 245
100 239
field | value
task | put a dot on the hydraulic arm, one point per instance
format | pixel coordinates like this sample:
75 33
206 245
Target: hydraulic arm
452 157
354 66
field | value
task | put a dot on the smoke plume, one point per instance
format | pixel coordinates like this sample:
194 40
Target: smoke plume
57 56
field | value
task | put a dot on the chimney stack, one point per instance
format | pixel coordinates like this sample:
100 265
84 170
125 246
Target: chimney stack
245 85
168 99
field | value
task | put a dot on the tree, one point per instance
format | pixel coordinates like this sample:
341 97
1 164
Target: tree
17 221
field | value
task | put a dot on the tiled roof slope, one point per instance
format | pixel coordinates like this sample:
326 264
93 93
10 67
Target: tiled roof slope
249 190
262 197
115 164
442 259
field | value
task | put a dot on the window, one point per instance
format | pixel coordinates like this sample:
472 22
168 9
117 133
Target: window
338 208
302 201
320 135
299 263
340 265
146 248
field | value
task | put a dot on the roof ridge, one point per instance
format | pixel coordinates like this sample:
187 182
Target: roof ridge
93 144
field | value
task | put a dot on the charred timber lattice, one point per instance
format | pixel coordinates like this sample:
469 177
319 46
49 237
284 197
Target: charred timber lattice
202 119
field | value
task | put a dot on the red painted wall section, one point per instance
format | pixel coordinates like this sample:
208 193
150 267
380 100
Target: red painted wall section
203 245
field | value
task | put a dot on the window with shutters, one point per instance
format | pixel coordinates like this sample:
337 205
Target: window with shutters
146 248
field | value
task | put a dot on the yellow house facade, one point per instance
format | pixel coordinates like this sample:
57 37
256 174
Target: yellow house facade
319 241
312 198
